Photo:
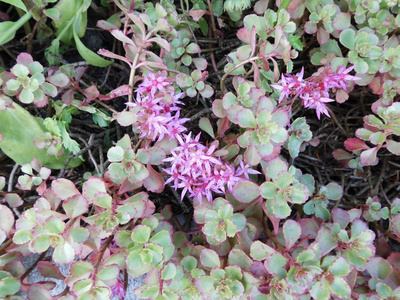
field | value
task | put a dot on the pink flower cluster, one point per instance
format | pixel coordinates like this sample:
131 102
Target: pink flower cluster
198 172
159 114
314 91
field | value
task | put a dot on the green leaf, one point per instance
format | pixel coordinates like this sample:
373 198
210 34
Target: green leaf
76 206
275 263
80 268
340 287
103 200
205 125
22 237
80 234
291 232
54 225
169 272
64 253
268 190
347 38
320 290
18 128
246 191
393 147
68 143
245 118
9 286
16 3
141 234
189 263
109 272
41 243
260 251
205 283
284 180
209 258
339 267
89 55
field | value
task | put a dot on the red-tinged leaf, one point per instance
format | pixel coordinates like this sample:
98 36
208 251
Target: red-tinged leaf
155 181
196 14
47 269
59 79
123 90
355 144
110 54
38 291
368 157
91 93
68 97
244 35
64 188
340 154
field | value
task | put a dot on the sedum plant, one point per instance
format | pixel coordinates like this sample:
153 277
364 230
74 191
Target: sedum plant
267 216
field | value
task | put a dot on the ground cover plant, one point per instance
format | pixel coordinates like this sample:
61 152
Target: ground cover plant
271 126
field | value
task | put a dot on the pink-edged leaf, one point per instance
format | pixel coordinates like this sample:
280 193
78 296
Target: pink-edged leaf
110 54
119 35
291 232
75 206
368 157
123 90
38 291
24 59
155 181
59 79
64 188
6 219
355 144
106 25
209 258
393 147
246 191
340 154
127 186
200 63
91 92
244 35
68 97
196 14
162 42
47 269
13 200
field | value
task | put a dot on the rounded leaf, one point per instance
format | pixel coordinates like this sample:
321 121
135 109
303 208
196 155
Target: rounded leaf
246 191
209 258
141 234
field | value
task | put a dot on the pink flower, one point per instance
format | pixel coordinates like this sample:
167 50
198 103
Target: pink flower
314 91
118 290
196 170
152 84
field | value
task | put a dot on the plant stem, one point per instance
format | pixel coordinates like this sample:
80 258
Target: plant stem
8 34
